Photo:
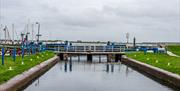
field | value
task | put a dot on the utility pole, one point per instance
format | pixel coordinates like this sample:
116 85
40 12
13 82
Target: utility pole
5 29
22 38
127 37
27 36
134 42
12 33
38 35
1 29
27 32
127 40
32 32
28 28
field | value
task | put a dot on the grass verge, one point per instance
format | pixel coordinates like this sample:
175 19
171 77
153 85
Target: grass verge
174 49
159 60
17 66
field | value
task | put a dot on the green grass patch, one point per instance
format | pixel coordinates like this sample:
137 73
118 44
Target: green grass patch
18 67
159 60
174 49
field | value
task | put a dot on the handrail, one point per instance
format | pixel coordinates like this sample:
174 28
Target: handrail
89 49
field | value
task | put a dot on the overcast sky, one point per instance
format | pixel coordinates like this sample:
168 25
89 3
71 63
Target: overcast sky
147 20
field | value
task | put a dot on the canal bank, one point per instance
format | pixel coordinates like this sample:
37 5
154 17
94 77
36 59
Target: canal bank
161 74
20 81
94 76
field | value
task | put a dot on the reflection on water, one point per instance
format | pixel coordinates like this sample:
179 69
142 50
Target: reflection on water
37 82
95 76
108 66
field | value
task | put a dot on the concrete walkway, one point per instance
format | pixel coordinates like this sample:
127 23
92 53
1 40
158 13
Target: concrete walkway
172 54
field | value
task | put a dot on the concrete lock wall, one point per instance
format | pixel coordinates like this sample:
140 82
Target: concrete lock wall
166 76
22 80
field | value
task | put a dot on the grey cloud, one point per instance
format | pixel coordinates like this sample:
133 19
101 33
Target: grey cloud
104 19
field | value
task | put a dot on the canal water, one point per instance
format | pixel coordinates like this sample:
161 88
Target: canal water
94 76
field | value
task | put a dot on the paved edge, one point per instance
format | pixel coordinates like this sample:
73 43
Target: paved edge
172 54
166 76
20 81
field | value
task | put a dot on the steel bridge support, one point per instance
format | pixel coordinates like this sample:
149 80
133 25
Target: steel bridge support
117 57
89 57
61 56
